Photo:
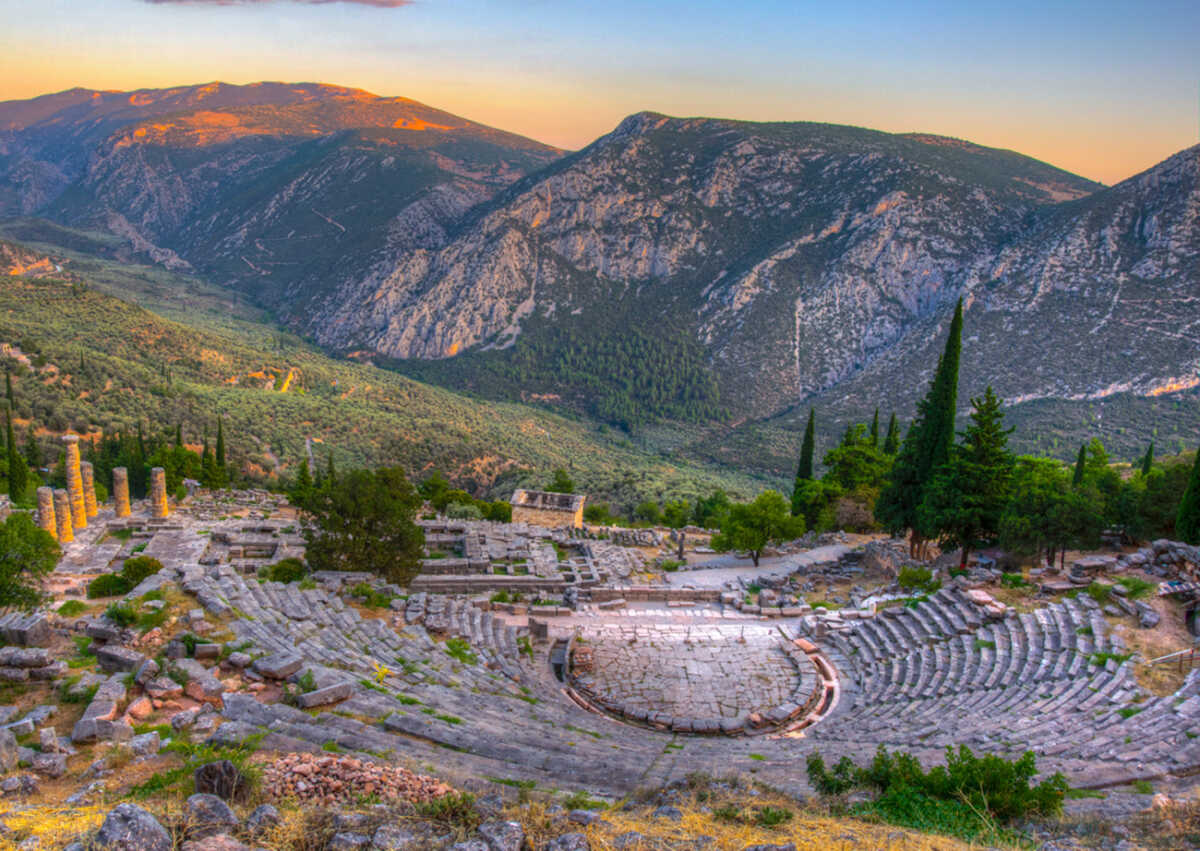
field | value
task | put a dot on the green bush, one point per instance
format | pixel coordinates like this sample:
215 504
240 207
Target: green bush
108 585
122 614
1136 587
72 608
967 797
1013 580
452 810
138 568
918 579
286 570
1098 592
461 650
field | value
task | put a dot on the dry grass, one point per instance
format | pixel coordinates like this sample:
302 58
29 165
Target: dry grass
809 831
1170 635
54 825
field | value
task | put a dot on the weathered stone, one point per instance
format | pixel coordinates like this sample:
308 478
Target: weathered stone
264 817
146 744
147 672
220 842
130 828
114 658
208 815
121 492
502 835
46 518
470 845
668 812
278 666
8 750
222 779
323 696
208 651
25 657
163 688
347 841
62 516
158 493
569 842
49 764
75 481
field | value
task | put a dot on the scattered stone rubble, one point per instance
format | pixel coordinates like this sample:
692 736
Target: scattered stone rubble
327 780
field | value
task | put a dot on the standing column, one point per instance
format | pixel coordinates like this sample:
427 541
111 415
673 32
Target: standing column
46 511
62 515
121 491
89 488
158 492
75 482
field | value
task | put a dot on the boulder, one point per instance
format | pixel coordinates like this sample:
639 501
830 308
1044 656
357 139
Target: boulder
223 779
323 696
207 815
130 828
1148 617
220 842
569 842
502 835
114 658
50 764
146 744
262 819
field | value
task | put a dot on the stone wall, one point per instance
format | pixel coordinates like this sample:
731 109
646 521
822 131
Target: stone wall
546 518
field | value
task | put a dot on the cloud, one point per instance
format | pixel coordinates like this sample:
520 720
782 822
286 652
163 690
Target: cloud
379 4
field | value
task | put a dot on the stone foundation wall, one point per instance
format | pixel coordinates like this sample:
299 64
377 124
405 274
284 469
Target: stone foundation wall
546 518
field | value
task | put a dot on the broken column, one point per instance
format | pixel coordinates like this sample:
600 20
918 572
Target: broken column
46 519
75 482
89 489
62 516
158 492
121 491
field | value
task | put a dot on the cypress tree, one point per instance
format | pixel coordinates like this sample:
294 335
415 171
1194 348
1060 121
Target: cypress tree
891 443
178 435
1187 521
804 470
33 455
18 473
302 489
220 443
875 429
926 446
8 391
330 472
1148 459
1080 466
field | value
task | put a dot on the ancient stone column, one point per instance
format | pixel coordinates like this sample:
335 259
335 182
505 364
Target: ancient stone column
89 488
158 492
46 511
62 515
121 491
75 482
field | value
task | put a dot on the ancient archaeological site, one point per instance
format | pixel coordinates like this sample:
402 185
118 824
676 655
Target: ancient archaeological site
558 686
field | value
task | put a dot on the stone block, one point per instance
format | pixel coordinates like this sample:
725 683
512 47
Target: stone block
115 658
278 666
50 764
323 696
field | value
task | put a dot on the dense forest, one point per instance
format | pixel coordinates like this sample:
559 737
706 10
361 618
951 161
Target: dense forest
621 376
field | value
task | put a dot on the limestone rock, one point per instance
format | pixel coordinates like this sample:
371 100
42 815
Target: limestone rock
130 828
502 835
221 778
208 815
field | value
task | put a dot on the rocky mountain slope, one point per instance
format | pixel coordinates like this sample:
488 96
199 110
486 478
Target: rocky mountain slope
789 263
275 188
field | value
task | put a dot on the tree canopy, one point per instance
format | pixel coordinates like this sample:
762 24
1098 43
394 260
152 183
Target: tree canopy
363 520
27 553
754 525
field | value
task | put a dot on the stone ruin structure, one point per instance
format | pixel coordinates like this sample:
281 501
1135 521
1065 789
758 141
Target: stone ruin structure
121 507
78 501
45 512
158 493
546 509
570 670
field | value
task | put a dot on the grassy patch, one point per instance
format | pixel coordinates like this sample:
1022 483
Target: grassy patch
459 649
72 608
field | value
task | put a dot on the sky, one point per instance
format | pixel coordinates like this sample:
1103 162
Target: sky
1103 89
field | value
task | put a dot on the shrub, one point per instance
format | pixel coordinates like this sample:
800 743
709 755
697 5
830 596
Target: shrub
918 579
1099 593
286 570
108 585
461 650
1013 580
72 608
122 614
452 810
1136 587
966 796
772 816
138 568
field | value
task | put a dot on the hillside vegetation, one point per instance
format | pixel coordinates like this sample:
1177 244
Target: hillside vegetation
89 361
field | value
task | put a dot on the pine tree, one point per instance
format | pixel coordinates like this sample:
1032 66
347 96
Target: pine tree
18 473
330 472
1080 466
1148 459
875 429
891 443
220 443
1187 522
926 446
966 497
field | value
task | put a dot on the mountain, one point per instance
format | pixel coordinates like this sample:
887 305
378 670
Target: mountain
96 345
721 273
274 188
